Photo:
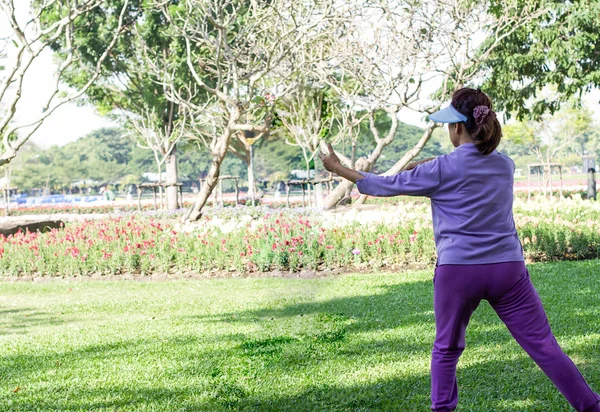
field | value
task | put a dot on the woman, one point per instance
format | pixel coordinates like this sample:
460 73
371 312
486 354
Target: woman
479 252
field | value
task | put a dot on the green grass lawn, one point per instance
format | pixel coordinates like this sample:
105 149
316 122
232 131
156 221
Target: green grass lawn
350 343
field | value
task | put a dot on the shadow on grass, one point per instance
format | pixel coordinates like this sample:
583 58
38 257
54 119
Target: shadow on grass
316 364
571 305
20 321
503 386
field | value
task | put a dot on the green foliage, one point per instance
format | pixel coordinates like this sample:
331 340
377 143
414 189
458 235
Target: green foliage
109 155
103 155
560 49
276 157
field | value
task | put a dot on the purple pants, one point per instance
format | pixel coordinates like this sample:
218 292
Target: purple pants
458 289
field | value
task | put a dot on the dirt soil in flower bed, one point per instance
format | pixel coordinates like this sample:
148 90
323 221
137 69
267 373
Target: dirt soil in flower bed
162 277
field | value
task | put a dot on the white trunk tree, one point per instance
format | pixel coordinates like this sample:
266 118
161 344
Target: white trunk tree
307 118
377 66
237 51
439 45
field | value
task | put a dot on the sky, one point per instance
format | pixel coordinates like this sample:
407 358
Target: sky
66 124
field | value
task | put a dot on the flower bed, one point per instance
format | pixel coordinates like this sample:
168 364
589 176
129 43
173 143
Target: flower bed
259 239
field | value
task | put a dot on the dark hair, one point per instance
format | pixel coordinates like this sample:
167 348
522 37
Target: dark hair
481 124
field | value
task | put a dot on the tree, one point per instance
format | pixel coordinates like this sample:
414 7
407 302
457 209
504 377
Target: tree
51 25
234 51
415 44
559 49
550 134
161 136
307 119
375 66
132 88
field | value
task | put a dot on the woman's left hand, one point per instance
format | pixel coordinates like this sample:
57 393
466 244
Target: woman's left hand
331 162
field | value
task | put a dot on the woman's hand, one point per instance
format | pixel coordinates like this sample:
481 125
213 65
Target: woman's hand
331 162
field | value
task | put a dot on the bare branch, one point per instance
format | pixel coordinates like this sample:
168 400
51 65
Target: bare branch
29 51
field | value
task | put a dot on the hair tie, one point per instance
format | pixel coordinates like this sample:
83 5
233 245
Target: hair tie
480 113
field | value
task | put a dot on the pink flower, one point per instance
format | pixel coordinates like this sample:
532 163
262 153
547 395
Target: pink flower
413 237
356 251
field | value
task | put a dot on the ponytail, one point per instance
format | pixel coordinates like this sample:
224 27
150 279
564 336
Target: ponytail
482 123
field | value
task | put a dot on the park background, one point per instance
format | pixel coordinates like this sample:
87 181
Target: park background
189 300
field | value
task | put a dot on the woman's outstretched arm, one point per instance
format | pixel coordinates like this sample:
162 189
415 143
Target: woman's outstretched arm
419 179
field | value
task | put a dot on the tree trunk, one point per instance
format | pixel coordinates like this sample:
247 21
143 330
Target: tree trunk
160 188
318 188
219 150
340 191
308 186
362 165
251 180
171 178
352 165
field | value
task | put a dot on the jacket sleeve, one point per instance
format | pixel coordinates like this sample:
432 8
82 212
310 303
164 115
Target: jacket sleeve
423 180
